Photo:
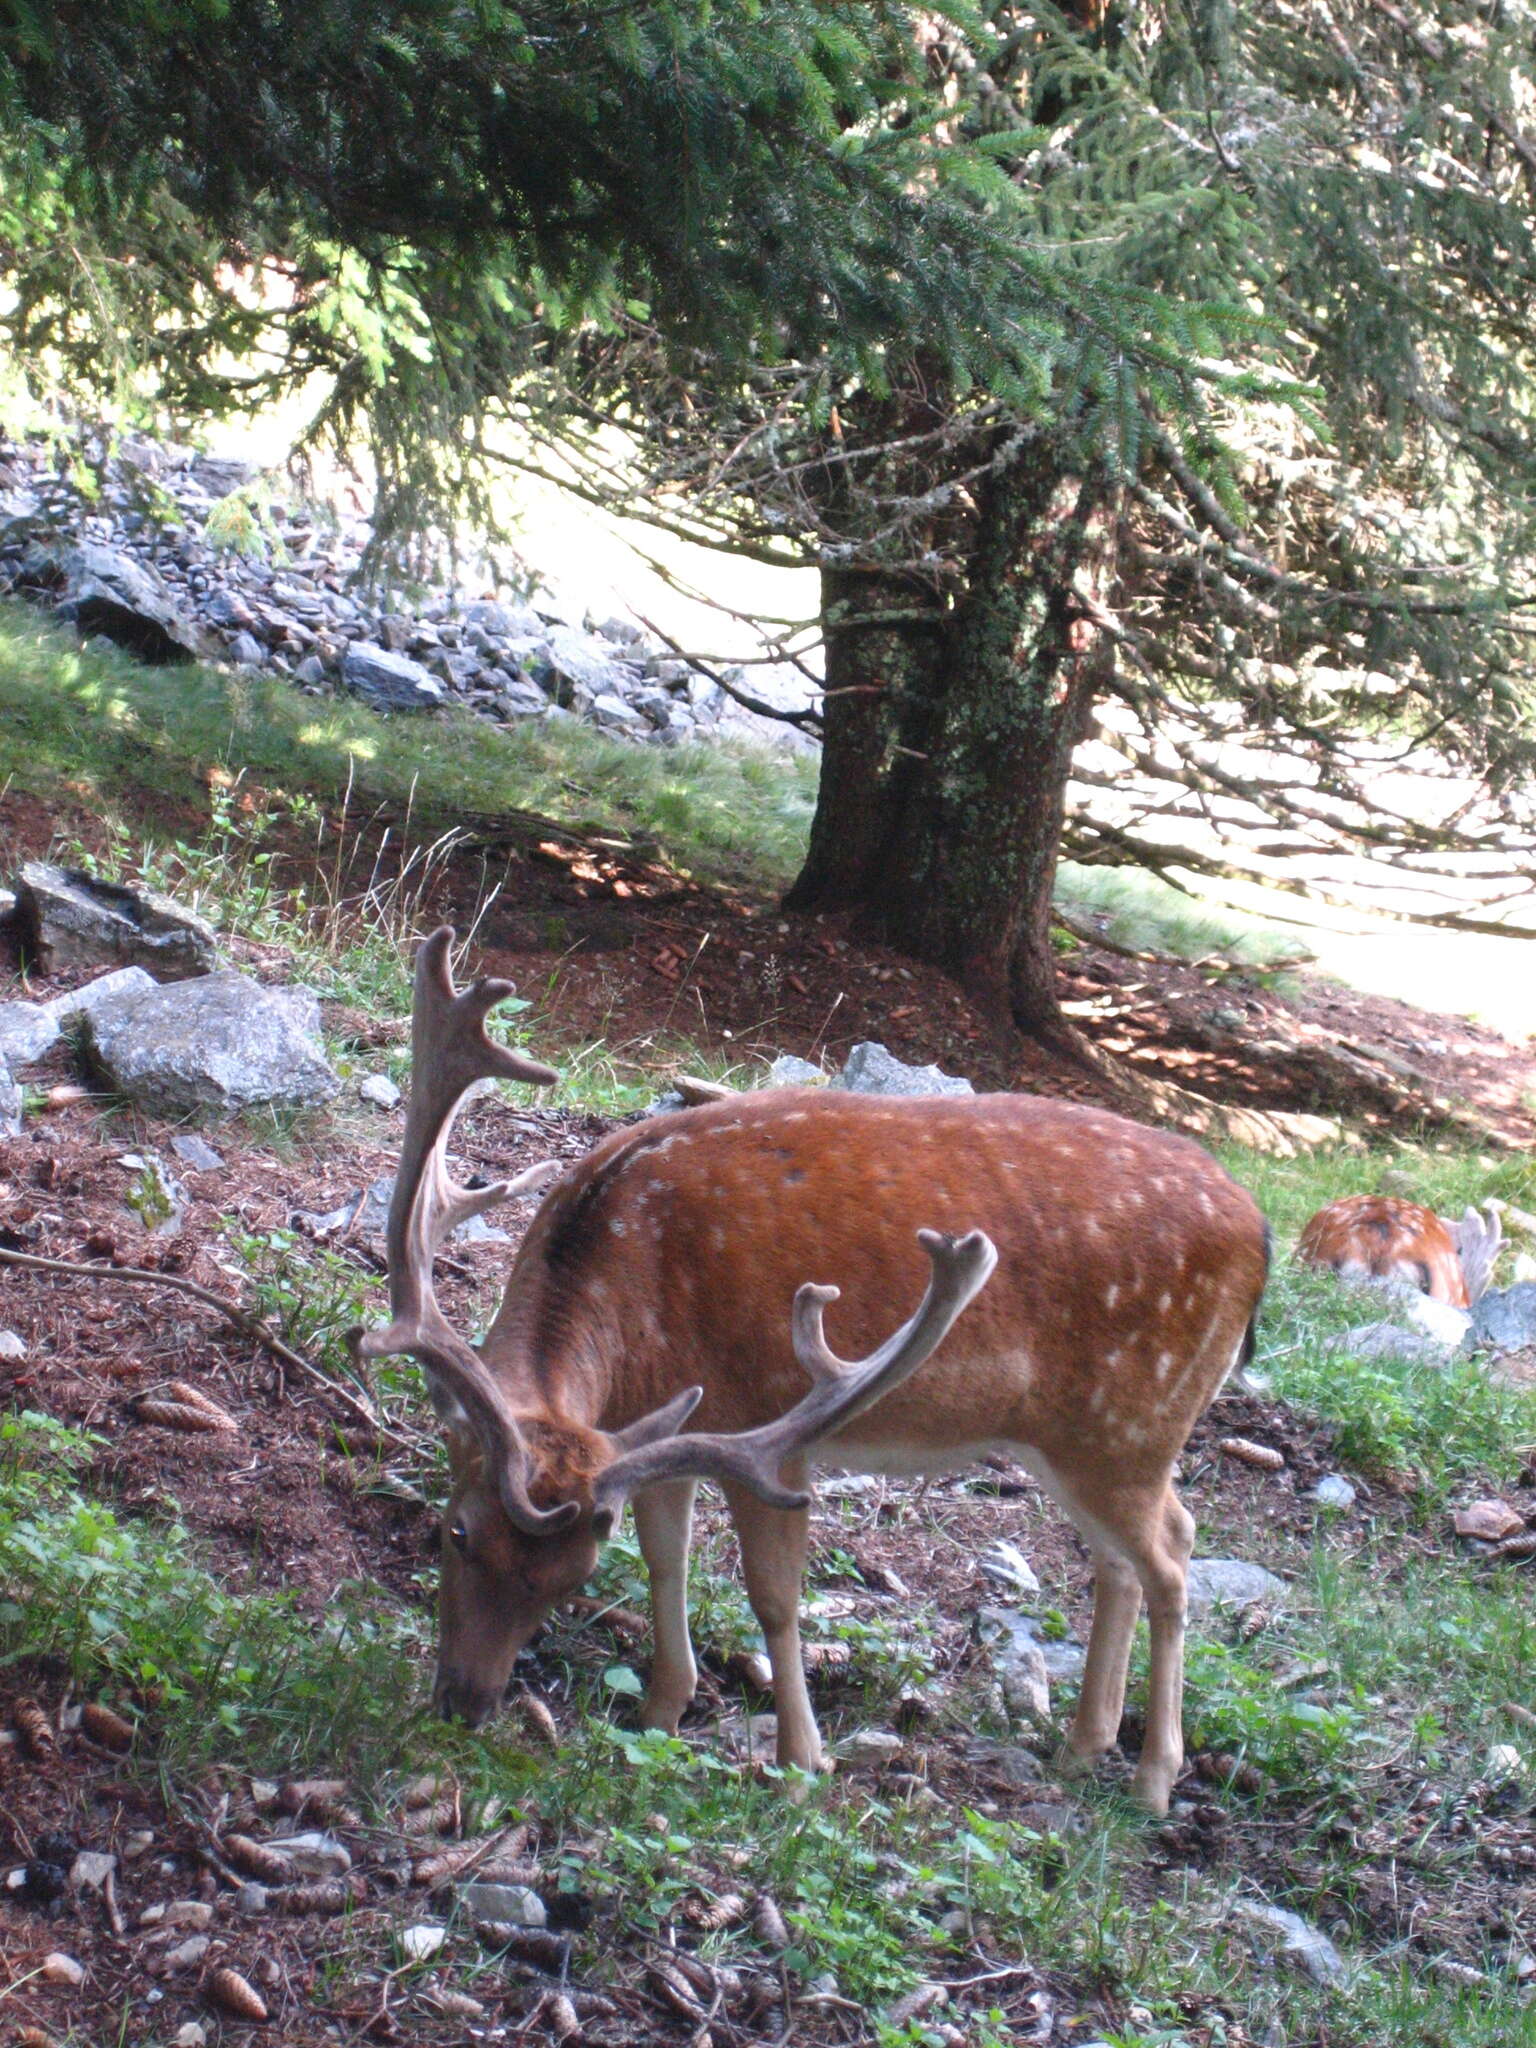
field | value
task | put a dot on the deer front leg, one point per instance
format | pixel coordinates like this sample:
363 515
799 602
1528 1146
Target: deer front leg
773 1547
664 1526
1101 1699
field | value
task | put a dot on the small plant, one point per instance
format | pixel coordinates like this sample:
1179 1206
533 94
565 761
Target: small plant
242 524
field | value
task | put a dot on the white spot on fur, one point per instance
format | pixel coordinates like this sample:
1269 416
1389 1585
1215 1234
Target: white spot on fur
1111 1294
617 1225
1164 1361
717 1237
1164 1303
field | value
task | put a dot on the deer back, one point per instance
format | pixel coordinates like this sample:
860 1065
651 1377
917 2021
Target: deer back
1130 1265
1383 1237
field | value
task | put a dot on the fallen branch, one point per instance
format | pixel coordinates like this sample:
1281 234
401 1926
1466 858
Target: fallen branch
248 1325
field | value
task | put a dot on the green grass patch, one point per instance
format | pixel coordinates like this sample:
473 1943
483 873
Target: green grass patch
1149 915
106 729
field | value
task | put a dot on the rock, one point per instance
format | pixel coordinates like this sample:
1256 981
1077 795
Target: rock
59 1968
380 1090
1016 1659
12 1347
252 1900
419 1943
188 1955
246 650
579 668
191 2034
222 1044
872 1070
313 1854
311 671
520 696
107 591
10 1104
389 682
1229 1582
91 1869
789 1072
1006 1565
611 710
193 1152
1505 1319
1374 1341
1333 1491
27 1031
511 1904
1301 1942
106 989
1064 1660
1488 1521
22 518
870 1746
155 1197
1005 1760
229 611
504 621
67 918
1447 1325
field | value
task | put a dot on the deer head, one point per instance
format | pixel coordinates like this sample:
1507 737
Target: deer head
534 1492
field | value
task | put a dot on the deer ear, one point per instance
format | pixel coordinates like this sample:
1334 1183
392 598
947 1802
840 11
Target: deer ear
662 1422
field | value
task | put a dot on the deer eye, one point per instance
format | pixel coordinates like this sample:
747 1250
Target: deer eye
458 1536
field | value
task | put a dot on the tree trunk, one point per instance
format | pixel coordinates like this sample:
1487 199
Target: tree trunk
943 782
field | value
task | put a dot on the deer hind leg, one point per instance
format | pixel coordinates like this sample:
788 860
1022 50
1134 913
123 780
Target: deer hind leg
1143 1531
773 1548
664 1525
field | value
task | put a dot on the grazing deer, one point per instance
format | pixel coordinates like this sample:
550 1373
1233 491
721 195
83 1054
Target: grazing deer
668 1272
1383 1237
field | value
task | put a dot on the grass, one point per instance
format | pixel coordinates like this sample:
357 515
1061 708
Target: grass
102 727
1147 914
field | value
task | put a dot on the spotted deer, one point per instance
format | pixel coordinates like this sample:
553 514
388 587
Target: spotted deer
670 1277
1384 1237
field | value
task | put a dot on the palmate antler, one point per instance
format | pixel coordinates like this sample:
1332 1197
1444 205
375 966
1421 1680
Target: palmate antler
651 1450
450 1052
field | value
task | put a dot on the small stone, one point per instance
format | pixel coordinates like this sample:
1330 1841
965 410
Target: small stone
422 1941
91 1869
1229 1582
189 1913
1333 1491
247 651
190 2036
10 1103
1304 1944
511 1904
313 1854
1016 1657
192 1151
379 1089
789 1072
311 670
871 1070
1505 1761
252 1900
27 1031
870 1746
1488 1521
1006 1565
12 1348
59 1968
188 1954
389 681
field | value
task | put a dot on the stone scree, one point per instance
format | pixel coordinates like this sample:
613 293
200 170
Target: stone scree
136 567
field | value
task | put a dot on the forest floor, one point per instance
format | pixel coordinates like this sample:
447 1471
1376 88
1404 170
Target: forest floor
255 1600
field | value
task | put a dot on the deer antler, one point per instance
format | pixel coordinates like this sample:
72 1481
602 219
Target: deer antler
1477 1245
651 1449
450 1052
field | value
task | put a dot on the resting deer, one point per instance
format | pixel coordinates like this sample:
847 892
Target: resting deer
1384 1237
669 1272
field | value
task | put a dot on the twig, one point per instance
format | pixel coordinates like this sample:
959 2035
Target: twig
248 1325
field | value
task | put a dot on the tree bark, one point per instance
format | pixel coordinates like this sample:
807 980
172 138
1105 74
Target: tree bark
948 748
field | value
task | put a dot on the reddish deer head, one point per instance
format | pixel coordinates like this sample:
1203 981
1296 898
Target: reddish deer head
1383 1237
667 1273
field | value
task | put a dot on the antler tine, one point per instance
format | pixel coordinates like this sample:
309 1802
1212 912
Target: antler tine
839 1391
450 1052
1478 1238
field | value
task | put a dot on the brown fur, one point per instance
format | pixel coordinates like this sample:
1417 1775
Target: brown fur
1387 1238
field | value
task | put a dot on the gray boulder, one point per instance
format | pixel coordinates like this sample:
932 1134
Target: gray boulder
10 1104
66 918
581 671
504 621
788 1071
220 1044
1505 1320
1372 1341
611 710
106 591
872 1070
27 1031
1014 1649
1229 1582
389 682
107 989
